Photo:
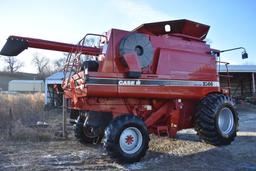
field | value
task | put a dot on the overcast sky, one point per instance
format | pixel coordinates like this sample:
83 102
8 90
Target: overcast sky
232 21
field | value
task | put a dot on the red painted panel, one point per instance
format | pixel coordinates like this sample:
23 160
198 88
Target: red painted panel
179 43
132 62
102 90
166 92
186 65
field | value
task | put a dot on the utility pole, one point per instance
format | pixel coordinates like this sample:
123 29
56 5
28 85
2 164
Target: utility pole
253 84
64 128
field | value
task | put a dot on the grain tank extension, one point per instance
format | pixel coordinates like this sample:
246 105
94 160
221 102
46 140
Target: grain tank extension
124 85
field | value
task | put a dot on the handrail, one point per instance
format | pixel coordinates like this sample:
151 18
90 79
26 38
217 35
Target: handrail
74 59
226 76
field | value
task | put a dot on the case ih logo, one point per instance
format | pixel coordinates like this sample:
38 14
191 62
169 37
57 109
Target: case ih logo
129 82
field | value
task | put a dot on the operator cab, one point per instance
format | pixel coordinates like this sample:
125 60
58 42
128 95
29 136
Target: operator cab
91 62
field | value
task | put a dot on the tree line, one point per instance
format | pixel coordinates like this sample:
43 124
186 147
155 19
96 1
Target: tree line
42 64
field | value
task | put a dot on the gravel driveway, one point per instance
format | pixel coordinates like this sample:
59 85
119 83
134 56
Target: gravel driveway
186 152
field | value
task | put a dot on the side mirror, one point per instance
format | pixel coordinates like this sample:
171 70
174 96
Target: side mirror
244 55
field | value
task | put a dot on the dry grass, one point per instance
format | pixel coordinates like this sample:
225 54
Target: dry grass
19 114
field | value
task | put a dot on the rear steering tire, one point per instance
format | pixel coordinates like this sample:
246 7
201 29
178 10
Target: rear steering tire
80 134
216 120
126 139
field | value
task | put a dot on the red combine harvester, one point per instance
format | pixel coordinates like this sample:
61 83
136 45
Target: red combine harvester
159 78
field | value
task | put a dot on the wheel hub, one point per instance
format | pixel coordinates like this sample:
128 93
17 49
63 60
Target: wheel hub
225 121
90 131
130 140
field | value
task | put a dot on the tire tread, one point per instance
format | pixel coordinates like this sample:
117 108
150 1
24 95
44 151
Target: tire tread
205 119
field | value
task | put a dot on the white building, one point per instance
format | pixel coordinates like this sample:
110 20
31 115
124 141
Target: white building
26 86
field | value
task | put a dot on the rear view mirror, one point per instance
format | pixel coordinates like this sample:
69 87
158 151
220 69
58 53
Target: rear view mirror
244 55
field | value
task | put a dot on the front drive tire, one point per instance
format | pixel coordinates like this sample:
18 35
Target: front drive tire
126 139
216 120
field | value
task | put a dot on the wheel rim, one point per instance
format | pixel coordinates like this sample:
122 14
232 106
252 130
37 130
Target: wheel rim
130 140
225 121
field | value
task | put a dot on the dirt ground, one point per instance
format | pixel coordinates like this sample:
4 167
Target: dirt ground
186 152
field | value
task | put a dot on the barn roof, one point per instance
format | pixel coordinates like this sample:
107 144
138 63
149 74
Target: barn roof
239 68
55 78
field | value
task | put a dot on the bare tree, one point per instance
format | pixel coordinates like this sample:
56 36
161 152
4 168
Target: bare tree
41 64
59 64
13 64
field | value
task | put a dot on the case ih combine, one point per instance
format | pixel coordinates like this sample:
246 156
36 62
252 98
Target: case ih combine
159 78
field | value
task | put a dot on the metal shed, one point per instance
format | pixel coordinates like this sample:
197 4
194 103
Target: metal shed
26 86
242 79
52 97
